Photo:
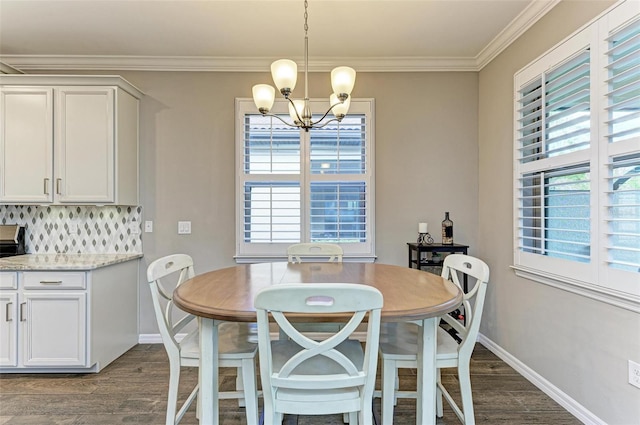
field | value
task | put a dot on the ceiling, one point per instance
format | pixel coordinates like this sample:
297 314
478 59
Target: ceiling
247 35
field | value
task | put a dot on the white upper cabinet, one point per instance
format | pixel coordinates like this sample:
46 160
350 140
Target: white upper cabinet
26 144
68 140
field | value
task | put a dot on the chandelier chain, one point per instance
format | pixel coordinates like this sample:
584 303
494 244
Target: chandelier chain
306 16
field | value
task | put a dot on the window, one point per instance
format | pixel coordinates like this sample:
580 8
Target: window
296 186
577 160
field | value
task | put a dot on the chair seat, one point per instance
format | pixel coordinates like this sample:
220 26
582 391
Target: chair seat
400 341
234 342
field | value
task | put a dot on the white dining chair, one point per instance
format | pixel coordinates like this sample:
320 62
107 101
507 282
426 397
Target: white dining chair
318 252
302 376
399 343
300 252
233 341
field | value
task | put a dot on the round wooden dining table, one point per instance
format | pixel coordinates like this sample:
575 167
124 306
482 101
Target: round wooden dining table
226 295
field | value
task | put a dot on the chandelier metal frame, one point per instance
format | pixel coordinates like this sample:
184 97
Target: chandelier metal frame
342 80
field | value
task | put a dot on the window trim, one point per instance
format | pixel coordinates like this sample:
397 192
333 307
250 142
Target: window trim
595 280
277 251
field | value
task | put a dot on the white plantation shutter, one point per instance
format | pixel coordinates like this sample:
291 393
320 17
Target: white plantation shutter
296 186
622 137
577 161
623 217
554 111
530 122
567 107
623 95
555 213
271 212
338 208
554 135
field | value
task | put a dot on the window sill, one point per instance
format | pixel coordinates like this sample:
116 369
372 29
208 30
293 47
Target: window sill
589 290
250 259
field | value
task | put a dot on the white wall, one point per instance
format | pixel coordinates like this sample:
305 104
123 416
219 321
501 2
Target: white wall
426 160
581 346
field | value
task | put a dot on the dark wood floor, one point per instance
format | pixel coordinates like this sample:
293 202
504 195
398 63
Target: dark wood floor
132 390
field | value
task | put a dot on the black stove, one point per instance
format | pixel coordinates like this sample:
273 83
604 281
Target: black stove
11 240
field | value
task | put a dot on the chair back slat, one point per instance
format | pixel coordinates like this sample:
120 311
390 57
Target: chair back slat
300 252
477 271
168 324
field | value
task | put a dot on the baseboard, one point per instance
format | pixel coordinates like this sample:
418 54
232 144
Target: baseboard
572 406
149 339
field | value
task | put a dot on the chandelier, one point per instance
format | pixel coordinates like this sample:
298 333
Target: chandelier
285 72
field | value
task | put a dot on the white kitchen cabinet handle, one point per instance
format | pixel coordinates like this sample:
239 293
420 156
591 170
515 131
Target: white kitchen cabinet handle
58 185
7 313
46 186
22 318
51 282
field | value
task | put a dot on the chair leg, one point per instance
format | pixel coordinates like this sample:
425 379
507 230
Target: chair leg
365 416
239 385
353 419
388 390
465 391
250 389
172 399
439 406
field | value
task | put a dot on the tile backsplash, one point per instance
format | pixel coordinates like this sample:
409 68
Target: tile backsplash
77 229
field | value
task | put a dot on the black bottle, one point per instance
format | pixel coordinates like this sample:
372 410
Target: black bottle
447 230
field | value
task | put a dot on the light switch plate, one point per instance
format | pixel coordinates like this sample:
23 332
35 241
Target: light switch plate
184 227
634 373
148 226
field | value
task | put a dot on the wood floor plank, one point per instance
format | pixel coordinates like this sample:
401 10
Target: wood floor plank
133 390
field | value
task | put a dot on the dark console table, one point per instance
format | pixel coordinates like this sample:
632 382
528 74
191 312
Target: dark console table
415 250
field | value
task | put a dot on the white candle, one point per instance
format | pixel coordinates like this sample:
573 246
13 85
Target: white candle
422 227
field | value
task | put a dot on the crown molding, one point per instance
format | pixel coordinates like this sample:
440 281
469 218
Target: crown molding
227 64
529 16
525 20
7 69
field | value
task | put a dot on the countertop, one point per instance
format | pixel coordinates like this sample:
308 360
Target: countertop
63 261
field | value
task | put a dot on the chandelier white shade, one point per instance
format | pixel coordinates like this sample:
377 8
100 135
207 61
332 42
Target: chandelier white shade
343 79
285 72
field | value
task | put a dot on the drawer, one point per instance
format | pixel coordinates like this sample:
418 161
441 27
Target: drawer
54 280
8 280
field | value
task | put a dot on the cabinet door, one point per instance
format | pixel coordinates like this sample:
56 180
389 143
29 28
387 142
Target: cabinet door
26 144
84 156
9 329
54 328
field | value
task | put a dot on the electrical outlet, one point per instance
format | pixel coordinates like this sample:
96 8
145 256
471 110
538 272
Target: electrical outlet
184 227
634 373
148 226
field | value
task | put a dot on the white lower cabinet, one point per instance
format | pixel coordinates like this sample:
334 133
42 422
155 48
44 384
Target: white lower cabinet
9 329
67 321
54 328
